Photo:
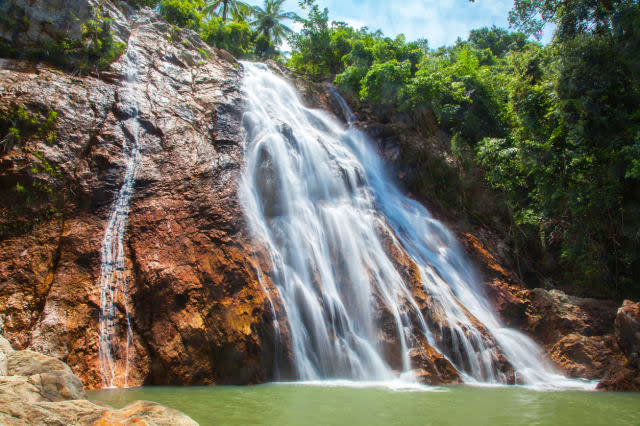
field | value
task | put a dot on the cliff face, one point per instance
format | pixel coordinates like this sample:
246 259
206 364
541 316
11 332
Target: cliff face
198 311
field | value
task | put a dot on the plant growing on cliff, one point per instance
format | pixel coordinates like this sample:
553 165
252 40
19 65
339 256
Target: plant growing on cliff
100 48
18 125
235 37
183 13
94 50
31 196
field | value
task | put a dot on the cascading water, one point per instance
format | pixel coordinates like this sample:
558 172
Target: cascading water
319 197
113 279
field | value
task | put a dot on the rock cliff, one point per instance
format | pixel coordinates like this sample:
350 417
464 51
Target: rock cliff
198 309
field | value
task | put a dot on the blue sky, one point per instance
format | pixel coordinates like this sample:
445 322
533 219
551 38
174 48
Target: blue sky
439 21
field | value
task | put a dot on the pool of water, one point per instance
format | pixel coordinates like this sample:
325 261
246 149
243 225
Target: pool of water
313 404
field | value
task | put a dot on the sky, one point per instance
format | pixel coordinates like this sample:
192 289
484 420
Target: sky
439 21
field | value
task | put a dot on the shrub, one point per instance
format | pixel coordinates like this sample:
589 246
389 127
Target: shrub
383 82
183 13
234 37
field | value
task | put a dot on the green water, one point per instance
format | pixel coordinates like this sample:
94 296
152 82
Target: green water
323 405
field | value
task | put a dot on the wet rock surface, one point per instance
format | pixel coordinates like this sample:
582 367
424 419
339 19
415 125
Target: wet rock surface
627 326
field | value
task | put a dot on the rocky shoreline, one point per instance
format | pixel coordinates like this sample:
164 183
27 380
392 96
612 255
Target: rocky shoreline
37 389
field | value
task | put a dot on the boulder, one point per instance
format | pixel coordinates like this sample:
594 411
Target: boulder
28 363
41 390
51 387
83 412
586 357
146 413
58 386
627 328
432 368
621 379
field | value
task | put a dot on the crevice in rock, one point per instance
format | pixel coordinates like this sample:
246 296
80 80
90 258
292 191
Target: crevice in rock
49 279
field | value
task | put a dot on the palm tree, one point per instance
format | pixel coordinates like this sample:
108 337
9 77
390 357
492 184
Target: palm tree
268 20
239 9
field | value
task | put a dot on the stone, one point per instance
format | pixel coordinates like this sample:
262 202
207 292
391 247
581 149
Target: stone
28 363
146 413
59 386
627 329
83 412
55 396
3 364
586 357
53 386
621 379
5 346
432 368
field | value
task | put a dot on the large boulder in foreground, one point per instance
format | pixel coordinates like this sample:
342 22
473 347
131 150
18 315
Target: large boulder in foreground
82 412
41 390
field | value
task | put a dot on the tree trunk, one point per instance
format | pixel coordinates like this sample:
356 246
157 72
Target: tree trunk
224 10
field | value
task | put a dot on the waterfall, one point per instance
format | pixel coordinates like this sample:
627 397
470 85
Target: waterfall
114 281
346 246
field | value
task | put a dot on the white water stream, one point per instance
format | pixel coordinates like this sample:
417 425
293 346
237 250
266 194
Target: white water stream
114 281
318 195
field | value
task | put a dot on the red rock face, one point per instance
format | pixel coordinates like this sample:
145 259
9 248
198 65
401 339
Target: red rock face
627 325
199 313
626 377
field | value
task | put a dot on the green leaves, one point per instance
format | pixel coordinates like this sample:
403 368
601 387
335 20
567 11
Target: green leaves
183 13
235 37
384 82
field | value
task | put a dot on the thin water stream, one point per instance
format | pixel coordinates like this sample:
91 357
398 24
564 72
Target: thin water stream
114 339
